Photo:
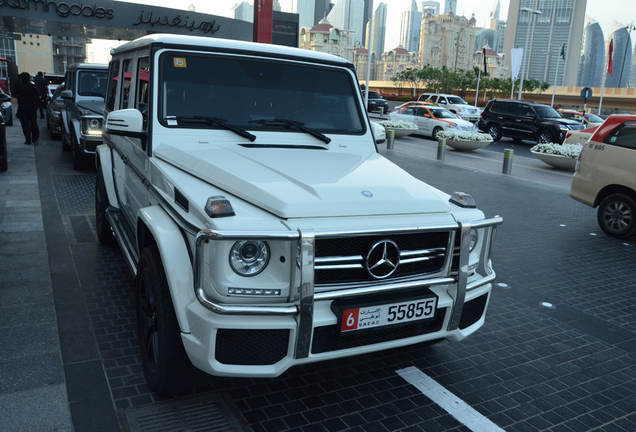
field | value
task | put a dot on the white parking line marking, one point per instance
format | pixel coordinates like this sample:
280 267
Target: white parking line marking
445 399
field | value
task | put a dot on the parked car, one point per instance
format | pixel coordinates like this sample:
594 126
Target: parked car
54 82
82 116
579 137
376 102
261 225
412 104
431 119
454 104
3 145
54 114
604 175
524 120
588 119
6 109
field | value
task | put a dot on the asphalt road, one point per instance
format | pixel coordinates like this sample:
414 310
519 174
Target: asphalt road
557 352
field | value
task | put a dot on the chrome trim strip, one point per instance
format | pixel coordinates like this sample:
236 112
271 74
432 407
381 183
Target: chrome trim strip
306 309
352 258
419 259
244 310
422 252
332 295
338 266
462 277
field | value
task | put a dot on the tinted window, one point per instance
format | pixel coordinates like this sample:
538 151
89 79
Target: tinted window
623 136
594 118
421 112
322 98
125 89
408 111
525 111
92 83
504 108
143 85
374 95
113 75
456 100
545 111
443 113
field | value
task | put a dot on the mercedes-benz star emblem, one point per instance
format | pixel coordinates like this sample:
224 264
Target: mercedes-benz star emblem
383 259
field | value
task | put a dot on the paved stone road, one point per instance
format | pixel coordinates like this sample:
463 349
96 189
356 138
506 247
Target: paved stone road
570 367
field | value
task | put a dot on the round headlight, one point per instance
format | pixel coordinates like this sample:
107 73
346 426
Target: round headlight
474 237
94 124
249 257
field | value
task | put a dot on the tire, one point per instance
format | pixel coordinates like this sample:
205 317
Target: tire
436 130
4 158
79 160
66 147
104 231
617 216
166 365
544 137
495 131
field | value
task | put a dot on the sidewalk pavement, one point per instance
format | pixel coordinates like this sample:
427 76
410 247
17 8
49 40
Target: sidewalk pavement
33 393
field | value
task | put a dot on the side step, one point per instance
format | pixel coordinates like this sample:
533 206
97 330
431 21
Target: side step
115 218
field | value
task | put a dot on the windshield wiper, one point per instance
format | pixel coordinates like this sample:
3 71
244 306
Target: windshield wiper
289 123
215 121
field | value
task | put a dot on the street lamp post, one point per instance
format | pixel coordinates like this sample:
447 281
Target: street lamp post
526 49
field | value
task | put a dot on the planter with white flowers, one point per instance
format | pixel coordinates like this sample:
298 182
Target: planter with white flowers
465 141
559 156
402 128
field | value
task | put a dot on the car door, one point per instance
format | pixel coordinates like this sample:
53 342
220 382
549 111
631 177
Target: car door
424 120
505 114
526 122
407 114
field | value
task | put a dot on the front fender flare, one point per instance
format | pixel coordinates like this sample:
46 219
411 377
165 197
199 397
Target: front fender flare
104 163
175 259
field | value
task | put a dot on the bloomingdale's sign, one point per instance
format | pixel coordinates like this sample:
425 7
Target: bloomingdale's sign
87 10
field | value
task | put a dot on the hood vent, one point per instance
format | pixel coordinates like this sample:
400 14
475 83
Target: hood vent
285 146
181 200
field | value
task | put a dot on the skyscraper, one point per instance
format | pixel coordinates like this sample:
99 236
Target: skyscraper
243 11
560 23
347 15
430 6
368 13
375 41
450 5
591 63
621 57
321 10
494 15
410 27
306 13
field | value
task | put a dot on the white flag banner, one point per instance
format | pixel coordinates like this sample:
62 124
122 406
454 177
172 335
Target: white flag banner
516 55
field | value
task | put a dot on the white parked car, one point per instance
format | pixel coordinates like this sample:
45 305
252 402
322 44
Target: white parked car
454 104
264 230
431 120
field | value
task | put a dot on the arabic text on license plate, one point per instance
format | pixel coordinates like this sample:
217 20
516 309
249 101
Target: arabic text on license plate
389 314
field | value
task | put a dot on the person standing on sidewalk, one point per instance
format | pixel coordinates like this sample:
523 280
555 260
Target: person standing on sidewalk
28 97
43 86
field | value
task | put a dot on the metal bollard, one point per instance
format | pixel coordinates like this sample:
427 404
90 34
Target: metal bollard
441 148
390 136
381 111
507 162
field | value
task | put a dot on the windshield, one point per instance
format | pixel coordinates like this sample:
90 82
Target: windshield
243 91
92 83
594 118
443 114
545 111
456 100
374 95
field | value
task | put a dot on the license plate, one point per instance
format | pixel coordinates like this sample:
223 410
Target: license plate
387 314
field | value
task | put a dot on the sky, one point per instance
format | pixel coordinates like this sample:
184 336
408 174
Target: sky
603 11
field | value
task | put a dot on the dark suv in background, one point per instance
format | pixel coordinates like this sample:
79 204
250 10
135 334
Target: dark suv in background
376 102
523 120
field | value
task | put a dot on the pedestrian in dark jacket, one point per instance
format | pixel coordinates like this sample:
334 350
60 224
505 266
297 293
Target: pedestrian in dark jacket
28 97
43 86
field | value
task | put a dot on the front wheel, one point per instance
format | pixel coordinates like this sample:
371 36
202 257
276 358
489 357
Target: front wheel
435 132
617 216
104 231
494 130
166 365
79 160
544 137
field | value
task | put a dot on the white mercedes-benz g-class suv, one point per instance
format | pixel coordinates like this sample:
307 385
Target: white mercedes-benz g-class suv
264 230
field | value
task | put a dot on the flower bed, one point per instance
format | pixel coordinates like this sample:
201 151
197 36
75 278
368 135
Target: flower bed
465 141
560 156
400 127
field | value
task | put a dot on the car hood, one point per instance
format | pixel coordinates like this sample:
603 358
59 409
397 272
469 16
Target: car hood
564 121
300 183
96 106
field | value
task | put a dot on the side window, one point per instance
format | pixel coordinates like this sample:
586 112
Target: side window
143 88
497 107
433 98
623 136
408 111
526 111
113 77
125 88
442 99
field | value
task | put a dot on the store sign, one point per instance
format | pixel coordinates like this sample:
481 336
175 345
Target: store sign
176 21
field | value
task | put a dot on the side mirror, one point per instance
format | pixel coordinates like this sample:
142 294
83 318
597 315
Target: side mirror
127 122
379 133
442 102
66 94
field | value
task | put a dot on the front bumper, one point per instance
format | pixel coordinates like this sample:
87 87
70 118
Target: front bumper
264 341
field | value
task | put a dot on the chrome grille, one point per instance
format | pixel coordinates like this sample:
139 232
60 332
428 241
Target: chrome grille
342 260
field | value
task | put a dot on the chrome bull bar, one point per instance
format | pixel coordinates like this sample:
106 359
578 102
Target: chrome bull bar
304 295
